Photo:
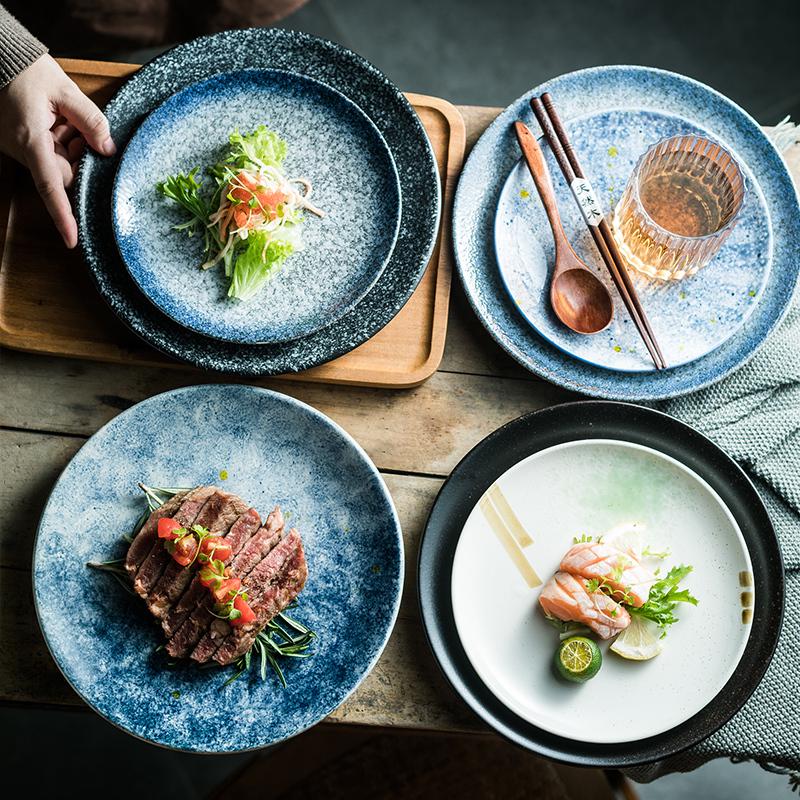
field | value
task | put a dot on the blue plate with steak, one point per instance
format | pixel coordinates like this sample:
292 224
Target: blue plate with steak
264 545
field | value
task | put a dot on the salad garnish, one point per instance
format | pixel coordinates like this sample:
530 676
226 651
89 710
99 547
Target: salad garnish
249 213
606 586
664 598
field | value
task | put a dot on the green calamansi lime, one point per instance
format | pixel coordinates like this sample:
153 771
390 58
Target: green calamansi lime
578 659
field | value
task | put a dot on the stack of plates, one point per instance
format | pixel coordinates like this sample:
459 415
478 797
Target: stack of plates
498 530
348 128
707 325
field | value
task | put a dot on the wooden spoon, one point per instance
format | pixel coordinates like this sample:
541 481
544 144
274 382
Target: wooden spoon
578 297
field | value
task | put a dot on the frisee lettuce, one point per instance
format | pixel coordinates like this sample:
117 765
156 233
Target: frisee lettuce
185 191
664 598
256 150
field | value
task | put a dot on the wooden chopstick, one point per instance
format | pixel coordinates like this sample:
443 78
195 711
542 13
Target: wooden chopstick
601 233
605 228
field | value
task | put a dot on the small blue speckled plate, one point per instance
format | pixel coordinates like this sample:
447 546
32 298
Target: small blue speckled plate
275 450
709 325
691 317
330 141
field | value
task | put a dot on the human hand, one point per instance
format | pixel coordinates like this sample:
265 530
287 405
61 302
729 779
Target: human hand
46 119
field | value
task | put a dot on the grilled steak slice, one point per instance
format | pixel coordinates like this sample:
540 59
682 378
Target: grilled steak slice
272 570
217 516
245 527
142 544
195 627
252 553
158 558
277 580
212 629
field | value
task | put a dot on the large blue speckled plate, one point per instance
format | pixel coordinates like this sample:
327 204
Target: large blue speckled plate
709 325
275 450
264 48
330 141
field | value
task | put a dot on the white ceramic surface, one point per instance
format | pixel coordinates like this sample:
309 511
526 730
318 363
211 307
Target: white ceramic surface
588 487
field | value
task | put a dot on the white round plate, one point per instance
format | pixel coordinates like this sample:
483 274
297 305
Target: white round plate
588 487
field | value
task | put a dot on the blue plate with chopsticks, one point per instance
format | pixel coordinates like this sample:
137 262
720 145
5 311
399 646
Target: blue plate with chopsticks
269 449
708 325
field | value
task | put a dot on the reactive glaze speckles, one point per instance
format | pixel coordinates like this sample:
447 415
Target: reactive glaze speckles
330 141
597 91
274 450
335 66
691 317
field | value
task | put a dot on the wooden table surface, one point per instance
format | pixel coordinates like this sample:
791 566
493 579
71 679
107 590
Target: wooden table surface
49 406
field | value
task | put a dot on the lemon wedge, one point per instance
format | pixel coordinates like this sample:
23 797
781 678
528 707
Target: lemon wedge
640 641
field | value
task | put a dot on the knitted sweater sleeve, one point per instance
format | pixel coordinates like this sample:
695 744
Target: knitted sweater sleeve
18 48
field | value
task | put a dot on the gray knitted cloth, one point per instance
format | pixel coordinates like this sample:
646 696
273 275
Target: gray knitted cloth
754 415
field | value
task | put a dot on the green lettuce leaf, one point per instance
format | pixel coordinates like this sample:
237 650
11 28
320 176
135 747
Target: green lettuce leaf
265 252
261 148
664 598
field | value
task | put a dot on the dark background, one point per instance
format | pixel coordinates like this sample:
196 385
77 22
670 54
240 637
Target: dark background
470 52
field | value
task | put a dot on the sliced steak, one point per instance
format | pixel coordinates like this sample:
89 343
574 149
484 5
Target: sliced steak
252 553
213 630
217 516
245 527
273 585
271 567
158 558
142 544
195 627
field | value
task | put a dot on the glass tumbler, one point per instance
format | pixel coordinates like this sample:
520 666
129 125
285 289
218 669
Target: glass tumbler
679 206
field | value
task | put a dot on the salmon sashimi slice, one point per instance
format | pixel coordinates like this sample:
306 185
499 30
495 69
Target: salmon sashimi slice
565 597
620 571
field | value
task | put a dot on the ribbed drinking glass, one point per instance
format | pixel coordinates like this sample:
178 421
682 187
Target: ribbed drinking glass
679 206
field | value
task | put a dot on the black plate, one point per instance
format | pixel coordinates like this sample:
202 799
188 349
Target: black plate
307 55
597 420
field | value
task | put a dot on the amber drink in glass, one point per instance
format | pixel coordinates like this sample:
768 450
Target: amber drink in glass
678 207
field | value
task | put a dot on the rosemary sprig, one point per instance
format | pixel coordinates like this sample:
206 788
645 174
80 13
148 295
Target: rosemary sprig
273 642
157 496
115 568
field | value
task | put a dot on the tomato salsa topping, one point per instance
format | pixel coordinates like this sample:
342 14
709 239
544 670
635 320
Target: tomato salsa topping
210 550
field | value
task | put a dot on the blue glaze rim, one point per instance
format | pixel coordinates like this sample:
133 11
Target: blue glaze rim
139 271
378 481
739 132
314 57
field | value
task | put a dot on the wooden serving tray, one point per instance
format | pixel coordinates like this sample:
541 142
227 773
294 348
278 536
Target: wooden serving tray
49 305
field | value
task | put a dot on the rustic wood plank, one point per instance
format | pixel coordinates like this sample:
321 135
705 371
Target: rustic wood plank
33 461
31 464
426 429
405 688
470 349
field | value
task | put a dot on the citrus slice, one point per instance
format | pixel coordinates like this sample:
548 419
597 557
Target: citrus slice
640 641
578 659
626 537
